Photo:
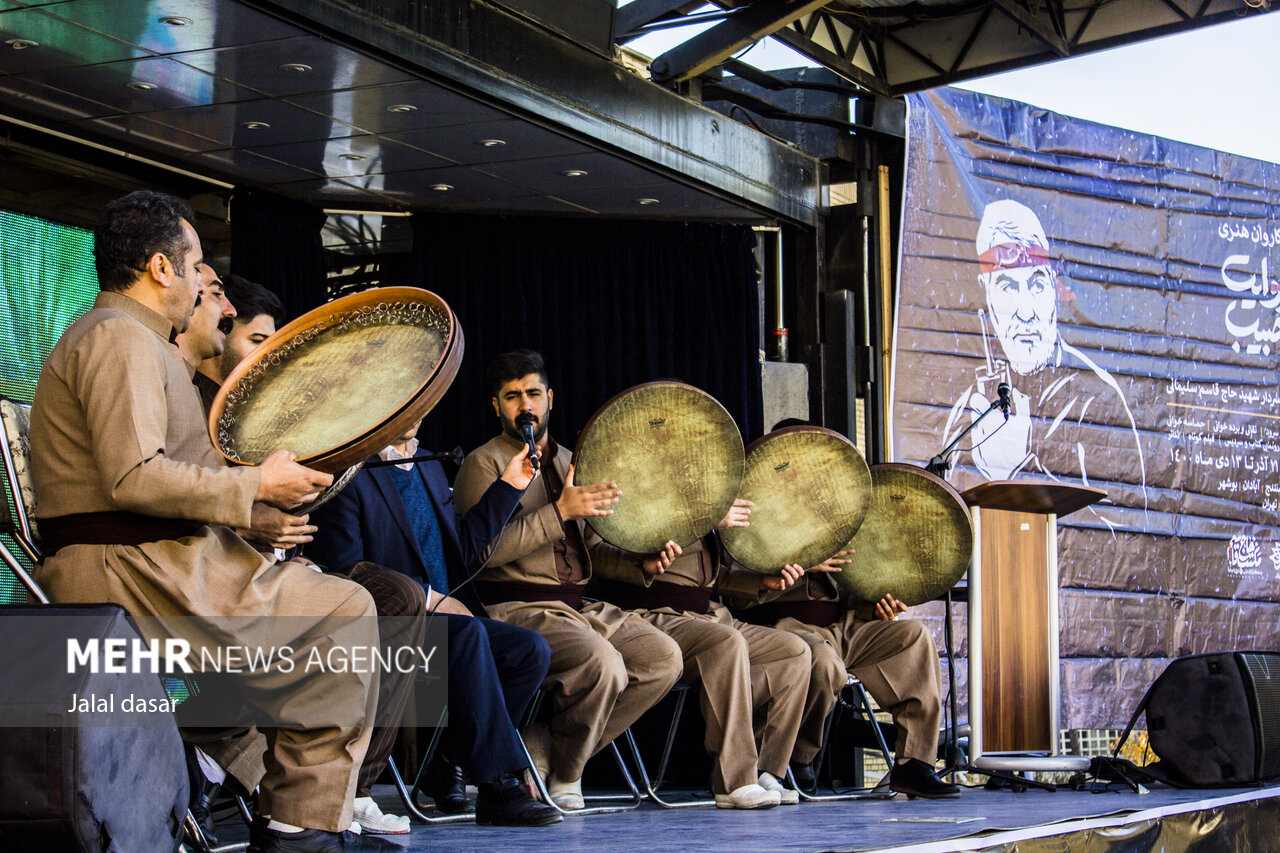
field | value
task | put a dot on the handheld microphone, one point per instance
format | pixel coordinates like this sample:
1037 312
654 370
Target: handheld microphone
1003 391
524 423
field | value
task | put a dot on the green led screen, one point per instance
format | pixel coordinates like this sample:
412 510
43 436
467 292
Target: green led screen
46 282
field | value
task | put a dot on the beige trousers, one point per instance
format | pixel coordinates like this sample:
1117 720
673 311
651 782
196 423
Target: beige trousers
311 764
607 668
898 664
743 672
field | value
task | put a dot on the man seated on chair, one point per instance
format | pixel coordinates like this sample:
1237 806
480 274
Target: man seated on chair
743 671
404 517
399 602
137 508
607 666
896 661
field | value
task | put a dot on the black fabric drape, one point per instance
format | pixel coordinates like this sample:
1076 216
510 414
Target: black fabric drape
275 241
610 304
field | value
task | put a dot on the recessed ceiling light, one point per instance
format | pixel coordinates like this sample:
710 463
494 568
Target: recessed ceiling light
140 85
492 143
574 173
254 125
647 201
442 188
351 155
176 21
295 67
401 108
22 44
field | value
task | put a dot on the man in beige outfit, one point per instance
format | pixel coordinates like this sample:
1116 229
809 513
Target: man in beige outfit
607 666
895 659
742 670
137 508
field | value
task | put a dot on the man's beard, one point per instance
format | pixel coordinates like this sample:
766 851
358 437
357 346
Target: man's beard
1026 360
539 430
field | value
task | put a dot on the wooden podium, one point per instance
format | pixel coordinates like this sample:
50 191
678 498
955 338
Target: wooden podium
1013 624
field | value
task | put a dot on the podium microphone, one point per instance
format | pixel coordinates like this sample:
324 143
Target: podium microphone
1003 391
524 423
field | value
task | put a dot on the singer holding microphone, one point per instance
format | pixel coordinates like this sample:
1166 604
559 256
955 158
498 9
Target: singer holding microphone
402 516
608 666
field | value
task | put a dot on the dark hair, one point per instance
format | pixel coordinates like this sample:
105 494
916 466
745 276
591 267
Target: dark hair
251 299
133 228
789 422
514 365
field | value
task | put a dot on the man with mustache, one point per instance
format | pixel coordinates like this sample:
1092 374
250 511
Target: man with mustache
137 508
1068 418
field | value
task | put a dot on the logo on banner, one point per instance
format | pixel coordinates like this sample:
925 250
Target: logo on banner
1244 556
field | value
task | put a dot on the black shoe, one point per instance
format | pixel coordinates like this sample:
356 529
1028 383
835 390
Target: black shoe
806 779
202 794
263 840
507 803
445 785
916 779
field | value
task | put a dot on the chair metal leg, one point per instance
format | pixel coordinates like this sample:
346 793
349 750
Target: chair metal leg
878 792
194 836
633 799
875 726
23 576
650 789
409 796
242 806
408 799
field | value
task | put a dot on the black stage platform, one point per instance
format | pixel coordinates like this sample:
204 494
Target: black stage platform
1164 819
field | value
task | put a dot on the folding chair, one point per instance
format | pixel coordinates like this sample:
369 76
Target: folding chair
410 796
680 691
853 702
629 801
17 526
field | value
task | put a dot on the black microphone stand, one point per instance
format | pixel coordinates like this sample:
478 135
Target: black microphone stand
939 464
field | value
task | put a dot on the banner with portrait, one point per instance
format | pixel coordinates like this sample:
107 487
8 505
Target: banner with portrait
1123 292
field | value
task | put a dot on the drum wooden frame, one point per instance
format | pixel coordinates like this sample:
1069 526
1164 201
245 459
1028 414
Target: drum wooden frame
770 478
353 317
691 460
916 541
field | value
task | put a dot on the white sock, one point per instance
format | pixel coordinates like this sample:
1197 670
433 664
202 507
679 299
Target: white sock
362 802
279 826
211 769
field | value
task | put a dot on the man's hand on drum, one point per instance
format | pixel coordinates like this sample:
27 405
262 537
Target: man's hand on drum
520 471
277 529
737 516
286 484
834 563
584 501
661 561
790 574
889 607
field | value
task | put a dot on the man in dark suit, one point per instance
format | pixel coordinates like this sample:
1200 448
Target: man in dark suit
403 517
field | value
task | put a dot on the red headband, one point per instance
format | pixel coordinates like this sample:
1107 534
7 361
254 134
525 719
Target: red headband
1008 256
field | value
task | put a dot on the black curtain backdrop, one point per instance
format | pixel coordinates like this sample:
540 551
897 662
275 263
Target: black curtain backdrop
610 304
275 241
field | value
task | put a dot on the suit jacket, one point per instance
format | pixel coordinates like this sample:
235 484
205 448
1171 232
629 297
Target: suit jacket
367 521
526 551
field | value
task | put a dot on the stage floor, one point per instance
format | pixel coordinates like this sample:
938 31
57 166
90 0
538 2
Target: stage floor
1001 817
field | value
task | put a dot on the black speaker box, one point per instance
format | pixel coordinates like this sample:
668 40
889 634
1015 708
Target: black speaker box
1214 719
98 778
